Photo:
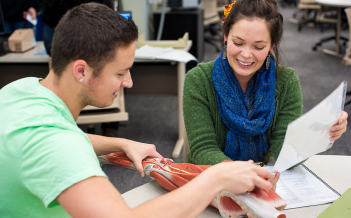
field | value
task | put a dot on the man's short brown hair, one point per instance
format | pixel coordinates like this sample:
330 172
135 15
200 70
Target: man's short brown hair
91 32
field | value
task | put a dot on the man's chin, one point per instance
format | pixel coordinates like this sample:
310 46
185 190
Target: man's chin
101 105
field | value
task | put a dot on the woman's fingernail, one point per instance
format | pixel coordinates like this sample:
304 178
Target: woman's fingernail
331 134
333 128
331 139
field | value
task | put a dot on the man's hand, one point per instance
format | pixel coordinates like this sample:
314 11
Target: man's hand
242 176
137 152
338 129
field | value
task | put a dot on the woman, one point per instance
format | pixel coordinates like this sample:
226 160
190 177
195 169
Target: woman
238 107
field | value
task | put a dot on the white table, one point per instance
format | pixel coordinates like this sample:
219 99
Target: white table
29 57
335 170
339 4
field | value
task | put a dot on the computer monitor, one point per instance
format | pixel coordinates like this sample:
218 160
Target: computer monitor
125 14
2 22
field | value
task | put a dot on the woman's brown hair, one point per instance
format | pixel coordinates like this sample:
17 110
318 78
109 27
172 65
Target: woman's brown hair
261 9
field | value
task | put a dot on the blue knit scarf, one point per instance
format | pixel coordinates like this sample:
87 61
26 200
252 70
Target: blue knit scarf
247 116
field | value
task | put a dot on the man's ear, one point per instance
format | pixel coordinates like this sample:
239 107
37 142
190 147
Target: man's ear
81 70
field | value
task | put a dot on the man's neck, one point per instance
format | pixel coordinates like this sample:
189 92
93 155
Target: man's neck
65 88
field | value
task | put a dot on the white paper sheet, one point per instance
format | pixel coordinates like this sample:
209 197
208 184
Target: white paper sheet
31 20
309 134
177 55
151 52
300 188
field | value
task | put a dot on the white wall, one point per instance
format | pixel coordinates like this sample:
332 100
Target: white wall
140 11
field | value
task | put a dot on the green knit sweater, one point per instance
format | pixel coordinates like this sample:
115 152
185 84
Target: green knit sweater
204 127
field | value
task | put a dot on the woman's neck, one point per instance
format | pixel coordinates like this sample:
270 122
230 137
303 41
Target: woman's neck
243 81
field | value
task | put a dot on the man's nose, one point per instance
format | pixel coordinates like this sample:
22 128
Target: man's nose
128 82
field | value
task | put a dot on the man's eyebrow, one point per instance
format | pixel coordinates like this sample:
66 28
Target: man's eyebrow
259 41
127 68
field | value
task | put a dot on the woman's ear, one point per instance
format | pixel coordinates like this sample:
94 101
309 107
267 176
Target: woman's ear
272 47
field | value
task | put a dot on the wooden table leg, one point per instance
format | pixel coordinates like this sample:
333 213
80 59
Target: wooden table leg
181 128
337 38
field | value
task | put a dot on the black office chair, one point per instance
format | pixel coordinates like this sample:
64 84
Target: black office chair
330 18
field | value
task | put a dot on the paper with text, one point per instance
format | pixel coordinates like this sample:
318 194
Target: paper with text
309 134
300 188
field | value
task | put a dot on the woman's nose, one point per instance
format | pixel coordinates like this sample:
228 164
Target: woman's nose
246 53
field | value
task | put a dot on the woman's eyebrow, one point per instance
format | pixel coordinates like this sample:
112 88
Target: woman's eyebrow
259 41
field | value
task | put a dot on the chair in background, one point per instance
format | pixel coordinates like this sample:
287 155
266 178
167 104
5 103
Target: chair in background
318 16
327 16
308 6
314 14
212 24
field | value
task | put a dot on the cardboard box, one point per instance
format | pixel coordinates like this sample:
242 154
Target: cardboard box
21 40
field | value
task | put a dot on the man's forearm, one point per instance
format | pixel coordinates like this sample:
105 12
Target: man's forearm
104 145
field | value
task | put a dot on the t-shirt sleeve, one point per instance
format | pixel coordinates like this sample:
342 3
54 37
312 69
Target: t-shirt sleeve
54 161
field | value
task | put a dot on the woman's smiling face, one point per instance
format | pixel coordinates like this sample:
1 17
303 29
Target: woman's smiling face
248 44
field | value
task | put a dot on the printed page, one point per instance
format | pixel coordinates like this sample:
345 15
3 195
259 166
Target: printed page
309 134
300 188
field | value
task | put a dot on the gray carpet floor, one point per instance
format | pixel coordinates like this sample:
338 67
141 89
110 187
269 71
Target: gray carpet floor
154 119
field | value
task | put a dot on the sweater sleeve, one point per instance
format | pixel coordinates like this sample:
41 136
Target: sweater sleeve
289 108
200 126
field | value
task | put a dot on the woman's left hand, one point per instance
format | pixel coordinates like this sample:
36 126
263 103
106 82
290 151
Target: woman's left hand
338 129
274 180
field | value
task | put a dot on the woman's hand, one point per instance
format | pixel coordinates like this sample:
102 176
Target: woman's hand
274 180
338 129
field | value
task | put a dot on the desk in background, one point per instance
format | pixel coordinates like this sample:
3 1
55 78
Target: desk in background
333 169
14 66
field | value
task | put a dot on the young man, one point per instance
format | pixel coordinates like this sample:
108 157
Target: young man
49 166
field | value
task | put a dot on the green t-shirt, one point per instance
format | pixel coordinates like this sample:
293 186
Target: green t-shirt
42 151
